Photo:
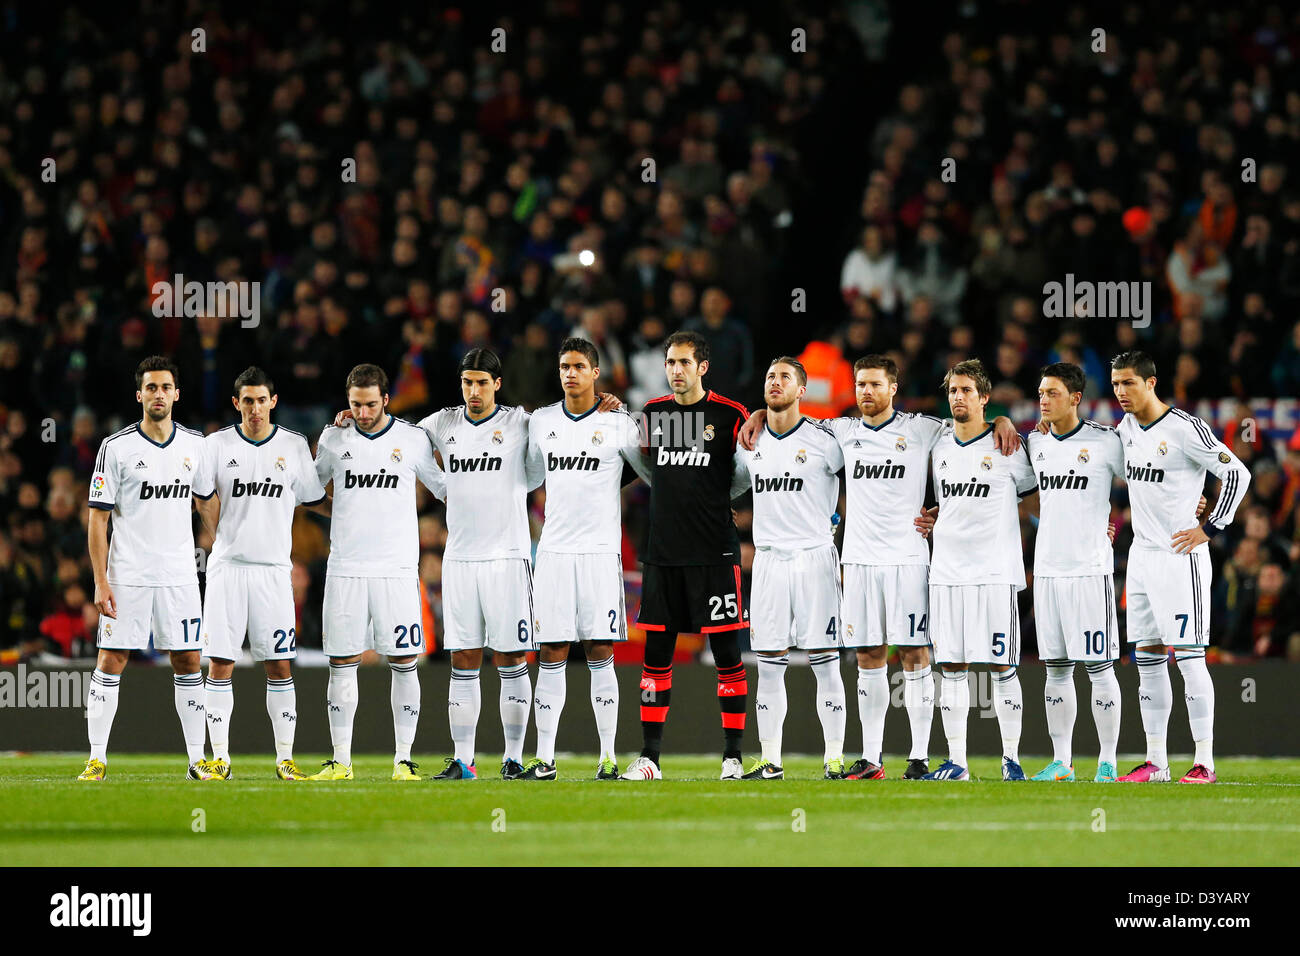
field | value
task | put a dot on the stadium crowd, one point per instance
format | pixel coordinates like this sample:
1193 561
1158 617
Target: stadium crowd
402 194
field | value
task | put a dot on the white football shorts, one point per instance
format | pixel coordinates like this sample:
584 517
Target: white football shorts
1075 618
488 603
975 624
379 614
795 599
1168 597
257 601
173 614
578 597
886 604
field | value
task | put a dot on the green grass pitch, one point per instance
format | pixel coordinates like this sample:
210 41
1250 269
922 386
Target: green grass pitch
146 814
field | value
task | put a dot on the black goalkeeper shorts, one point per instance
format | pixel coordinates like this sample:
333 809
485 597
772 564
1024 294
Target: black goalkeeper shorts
692 599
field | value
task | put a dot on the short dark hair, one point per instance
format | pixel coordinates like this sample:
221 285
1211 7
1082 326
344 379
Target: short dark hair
800 372
698 343
971 368
877 361
578 344
1138 361
367 376
481 360
1070 374
156 363
252 377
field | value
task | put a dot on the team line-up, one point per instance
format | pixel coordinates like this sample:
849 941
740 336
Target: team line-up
950 600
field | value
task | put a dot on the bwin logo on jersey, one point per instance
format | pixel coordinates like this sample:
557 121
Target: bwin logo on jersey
693 457
481 463
1140 473
784 483
887 470
360 480
968 489
259 489
579 462
174 490
801 455
1070 482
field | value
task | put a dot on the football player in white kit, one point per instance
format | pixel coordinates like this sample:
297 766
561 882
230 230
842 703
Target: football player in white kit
146 580
1166 455
1074 590
885 564
578 580
977 569
260 473
372 589
793 472
486 568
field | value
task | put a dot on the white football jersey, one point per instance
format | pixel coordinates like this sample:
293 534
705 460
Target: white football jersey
885 470
148 488
259 484
488 477
582 457
1165 465
796 485
977 534
373 523
1075 472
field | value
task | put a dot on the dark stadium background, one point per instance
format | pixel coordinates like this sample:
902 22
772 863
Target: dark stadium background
225 165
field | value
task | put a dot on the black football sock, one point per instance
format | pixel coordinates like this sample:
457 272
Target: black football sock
656 690
733 691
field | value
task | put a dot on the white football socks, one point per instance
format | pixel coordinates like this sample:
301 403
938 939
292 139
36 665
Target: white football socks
282 708
830 702
464 699
954 705
101 708
548 702
1105 709
404 695
516 695
189 697
341 705
918 699
219 705
873 701
604 703
770 705
1198 689
1009 705
1155 700
1062 709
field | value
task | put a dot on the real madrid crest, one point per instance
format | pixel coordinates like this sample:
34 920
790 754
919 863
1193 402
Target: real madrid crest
901 444
497 437
1083 457
188 465
801 456
1163 449
597 438
987 463
708 433
279 464
396 455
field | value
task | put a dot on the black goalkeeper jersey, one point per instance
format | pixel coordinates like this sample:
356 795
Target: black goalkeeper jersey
690 450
